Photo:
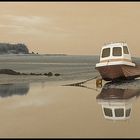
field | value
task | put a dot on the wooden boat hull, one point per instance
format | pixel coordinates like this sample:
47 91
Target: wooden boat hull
118 72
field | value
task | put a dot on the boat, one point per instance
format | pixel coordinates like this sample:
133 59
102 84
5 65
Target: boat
116 103
116 63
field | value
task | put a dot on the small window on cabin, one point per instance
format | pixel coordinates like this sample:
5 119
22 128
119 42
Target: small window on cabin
117 51
125 50
108 112
119 112
106 52
128 112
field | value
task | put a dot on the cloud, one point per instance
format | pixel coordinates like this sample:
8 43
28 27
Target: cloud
32 26
27 20
23 24
10 26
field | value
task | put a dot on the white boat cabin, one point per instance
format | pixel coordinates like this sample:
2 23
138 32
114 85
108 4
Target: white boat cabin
115 54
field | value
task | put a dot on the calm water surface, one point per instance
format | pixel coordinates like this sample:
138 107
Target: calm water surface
49 110
43 110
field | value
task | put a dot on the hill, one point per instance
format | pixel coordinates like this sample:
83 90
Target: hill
6 48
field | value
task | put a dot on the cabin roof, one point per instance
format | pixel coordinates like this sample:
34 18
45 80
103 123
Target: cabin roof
117 44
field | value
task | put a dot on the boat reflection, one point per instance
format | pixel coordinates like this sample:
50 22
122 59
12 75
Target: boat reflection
7 90
117 103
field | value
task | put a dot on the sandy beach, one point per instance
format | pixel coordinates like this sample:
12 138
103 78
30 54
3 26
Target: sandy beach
55 111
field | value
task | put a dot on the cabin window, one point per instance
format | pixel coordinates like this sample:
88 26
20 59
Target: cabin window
119 112
106 52
108 112
128 112
125 50
117 51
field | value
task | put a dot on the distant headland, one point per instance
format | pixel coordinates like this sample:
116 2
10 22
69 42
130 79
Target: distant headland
19 48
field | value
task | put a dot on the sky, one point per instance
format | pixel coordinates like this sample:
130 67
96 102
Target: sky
77 28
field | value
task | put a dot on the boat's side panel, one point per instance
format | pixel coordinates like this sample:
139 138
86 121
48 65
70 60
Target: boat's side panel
109 73
114 72
131 71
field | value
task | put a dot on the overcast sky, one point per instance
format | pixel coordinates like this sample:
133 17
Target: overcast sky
70 27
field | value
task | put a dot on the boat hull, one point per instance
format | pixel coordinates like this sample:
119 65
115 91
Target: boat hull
118 72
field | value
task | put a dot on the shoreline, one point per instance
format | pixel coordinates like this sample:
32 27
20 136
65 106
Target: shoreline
53 80
60 81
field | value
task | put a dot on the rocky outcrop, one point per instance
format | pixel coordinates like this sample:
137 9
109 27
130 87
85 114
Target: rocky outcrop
6 48
12 72
9 71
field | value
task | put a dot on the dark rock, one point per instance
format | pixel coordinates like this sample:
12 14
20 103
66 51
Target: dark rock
46 74
9 71
50 74
12 72
57 74
24 74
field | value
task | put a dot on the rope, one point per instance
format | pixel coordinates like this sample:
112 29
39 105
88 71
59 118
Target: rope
82 82
83 86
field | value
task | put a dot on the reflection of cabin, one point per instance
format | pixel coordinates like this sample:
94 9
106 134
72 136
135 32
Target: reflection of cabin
116 103
117 110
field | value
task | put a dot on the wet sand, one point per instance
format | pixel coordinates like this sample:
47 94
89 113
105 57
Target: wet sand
56 111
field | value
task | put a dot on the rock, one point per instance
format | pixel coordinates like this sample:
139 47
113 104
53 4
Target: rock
9 71
12 72
57 74
50 74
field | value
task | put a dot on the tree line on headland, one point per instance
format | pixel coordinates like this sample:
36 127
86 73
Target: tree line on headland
19 48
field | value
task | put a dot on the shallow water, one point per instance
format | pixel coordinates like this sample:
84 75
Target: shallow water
69 67
49 110
42 110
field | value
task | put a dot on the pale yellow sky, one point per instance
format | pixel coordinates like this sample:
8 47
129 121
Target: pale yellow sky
70 27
